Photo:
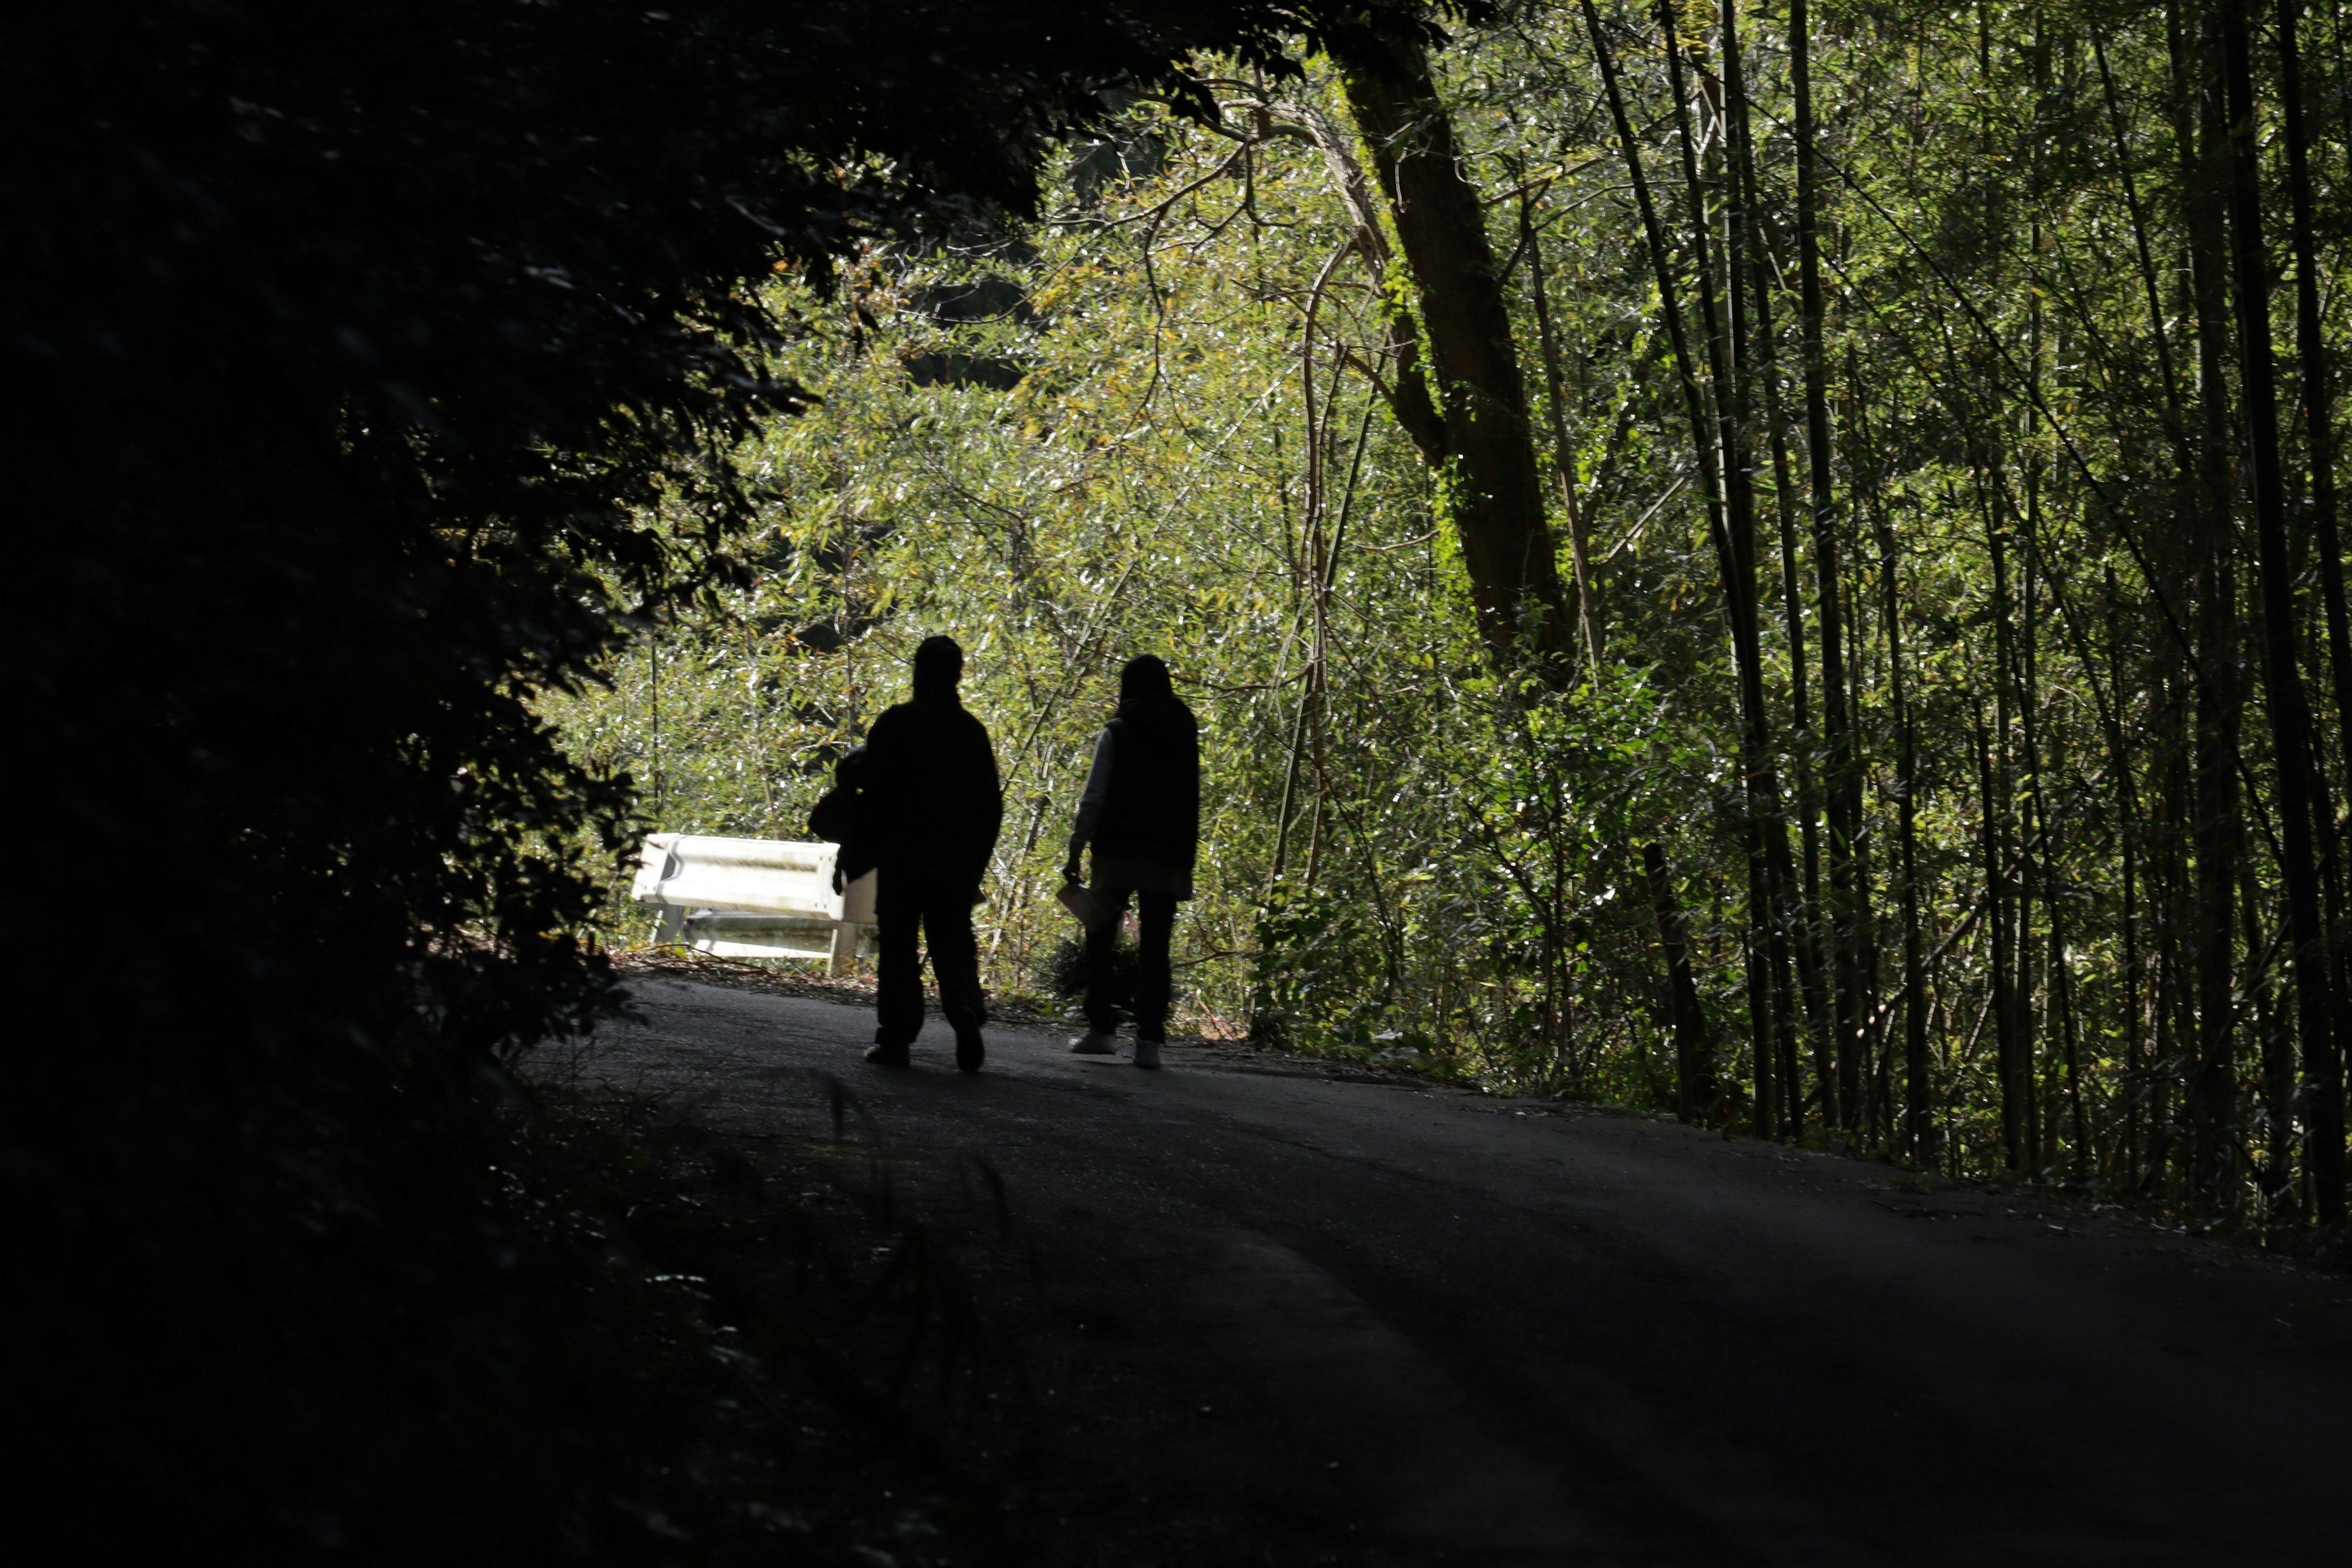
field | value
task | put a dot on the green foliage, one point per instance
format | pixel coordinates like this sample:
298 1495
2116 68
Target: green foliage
1140 489
1114 431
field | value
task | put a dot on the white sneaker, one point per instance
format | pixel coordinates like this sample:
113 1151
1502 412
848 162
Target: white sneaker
1095 1043
1147 1053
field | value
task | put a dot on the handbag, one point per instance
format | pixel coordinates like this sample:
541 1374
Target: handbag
1083 905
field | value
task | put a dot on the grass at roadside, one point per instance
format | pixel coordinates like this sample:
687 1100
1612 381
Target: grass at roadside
812 1357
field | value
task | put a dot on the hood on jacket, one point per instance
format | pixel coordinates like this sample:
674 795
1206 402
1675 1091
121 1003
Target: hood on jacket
1145 687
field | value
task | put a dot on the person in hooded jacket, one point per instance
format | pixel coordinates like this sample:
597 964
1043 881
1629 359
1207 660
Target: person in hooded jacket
1141 814
932 806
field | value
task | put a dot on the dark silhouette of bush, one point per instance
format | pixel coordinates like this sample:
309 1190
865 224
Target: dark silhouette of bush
353 349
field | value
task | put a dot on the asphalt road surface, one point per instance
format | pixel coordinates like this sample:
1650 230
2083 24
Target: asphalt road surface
1460 1329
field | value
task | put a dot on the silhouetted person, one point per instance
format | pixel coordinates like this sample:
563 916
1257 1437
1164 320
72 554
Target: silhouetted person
933 810
1141 812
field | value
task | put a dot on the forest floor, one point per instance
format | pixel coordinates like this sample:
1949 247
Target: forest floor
1257 1309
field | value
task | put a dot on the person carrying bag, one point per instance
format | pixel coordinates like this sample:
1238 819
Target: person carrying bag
928 807
1141 816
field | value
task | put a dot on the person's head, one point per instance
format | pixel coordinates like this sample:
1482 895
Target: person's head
939 666
1143 681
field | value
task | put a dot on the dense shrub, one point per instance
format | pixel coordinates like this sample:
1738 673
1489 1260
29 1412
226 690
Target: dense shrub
355 350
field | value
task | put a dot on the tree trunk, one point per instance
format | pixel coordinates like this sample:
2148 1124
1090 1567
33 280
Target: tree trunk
2012 1050
2216 834
1694 406
1800 900
1689 1021
1695 1091
1735 544
1496 506
1997 985
2318 398
2289 711
1843 795
2319 424
1918 1098
1588 614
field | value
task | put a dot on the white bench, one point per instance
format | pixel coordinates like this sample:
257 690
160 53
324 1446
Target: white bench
754 898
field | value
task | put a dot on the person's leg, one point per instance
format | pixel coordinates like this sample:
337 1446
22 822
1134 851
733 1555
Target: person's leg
898 978
955 965
1102 978
1155 921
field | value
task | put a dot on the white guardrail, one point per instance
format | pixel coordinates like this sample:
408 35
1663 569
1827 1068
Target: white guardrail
754 898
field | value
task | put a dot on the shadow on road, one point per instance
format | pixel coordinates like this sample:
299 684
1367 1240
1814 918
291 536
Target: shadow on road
1210 1316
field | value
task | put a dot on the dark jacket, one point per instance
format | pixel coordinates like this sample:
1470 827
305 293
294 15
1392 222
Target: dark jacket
933 805
1153 808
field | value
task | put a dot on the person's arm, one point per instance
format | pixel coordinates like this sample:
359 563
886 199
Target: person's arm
983 806
995 795
1090 803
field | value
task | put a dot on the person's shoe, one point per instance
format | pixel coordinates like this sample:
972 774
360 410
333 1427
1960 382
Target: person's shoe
970 1051
1095 1043
1147 1053
886 1056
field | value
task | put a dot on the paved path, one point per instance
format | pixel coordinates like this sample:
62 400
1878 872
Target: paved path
1501 1334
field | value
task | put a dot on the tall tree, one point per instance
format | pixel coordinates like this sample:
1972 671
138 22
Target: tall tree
2290 713
1494 490
1843 778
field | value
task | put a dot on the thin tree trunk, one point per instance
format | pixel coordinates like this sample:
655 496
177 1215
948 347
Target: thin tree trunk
1695 1091
2319 426
1845 897
1588 615
2274 1053
1689 1021
2176 426
2008 965
2040 830
1747 282
1693 402
2216 834
2318 391
1996 1000
1919 1098
2289 711
1687 372
1802 890
1736 552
